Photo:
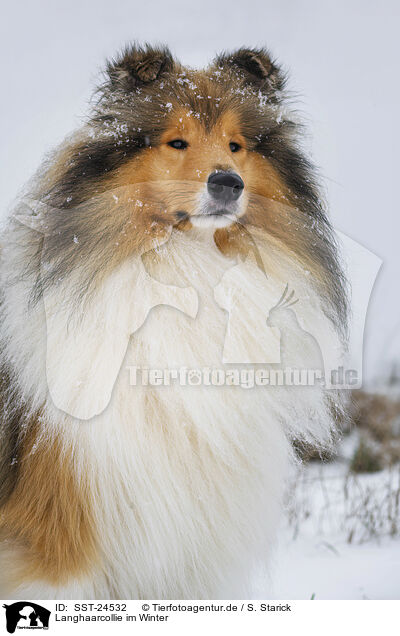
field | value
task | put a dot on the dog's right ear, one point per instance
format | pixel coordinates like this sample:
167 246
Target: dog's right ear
137 66
257 67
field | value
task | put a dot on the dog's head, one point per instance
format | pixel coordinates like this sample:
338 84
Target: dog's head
204 138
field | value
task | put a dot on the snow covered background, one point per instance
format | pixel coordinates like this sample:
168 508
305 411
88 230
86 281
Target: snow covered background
343 60
336 541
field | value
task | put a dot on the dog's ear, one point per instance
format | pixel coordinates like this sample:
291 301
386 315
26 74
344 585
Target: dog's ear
258 67
137 66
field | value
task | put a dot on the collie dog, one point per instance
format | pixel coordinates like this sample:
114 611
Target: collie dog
175 231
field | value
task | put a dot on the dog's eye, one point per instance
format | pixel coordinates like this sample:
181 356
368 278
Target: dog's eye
234 146
178 144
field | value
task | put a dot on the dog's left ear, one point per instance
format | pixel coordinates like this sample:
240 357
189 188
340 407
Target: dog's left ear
258 67
139 65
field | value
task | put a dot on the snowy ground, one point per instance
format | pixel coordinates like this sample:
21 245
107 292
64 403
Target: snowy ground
341 536
310 567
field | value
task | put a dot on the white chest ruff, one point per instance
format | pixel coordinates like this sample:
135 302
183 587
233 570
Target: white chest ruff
188 478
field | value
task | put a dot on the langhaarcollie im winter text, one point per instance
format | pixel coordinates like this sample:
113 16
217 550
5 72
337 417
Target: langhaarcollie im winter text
162 273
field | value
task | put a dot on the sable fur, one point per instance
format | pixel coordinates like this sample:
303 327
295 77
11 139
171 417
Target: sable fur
177 493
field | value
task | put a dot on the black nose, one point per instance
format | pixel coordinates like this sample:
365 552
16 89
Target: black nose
226 186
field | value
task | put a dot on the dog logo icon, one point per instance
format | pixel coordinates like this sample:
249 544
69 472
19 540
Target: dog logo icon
26 615
97 371
267 326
